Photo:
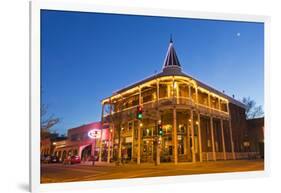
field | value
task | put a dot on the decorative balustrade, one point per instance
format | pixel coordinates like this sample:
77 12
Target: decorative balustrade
205 109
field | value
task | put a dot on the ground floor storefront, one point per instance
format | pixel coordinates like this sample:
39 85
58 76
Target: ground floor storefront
187 136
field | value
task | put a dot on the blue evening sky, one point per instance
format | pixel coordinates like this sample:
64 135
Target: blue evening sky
87 56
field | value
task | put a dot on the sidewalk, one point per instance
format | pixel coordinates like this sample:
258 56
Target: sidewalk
163 164
97 163
134 164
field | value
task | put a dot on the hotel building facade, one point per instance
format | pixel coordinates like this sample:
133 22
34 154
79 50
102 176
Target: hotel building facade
199 123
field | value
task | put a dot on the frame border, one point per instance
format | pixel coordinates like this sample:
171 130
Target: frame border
34 99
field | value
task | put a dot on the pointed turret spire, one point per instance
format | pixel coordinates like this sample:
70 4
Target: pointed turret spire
171 60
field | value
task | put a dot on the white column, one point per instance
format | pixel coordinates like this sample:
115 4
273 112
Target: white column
175 138
199 138
169 90
187 147
231 139
209 101
223 143
184 146
227 107
108 149
158 119
100 142
213 138
230 130
120 140
174 91
157 91
196 92
177 91
112 140
110 135
139 131
192 136
133 137
139 142
152 145
189 91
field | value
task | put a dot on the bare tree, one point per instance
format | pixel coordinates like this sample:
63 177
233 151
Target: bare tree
252 111
116 119
117 122
47 121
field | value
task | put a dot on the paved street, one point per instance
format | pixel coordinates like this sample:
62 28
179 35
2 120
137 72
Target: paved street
51 173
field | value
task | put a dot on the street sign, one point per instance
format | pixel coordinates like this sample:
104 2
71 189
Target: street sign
94 133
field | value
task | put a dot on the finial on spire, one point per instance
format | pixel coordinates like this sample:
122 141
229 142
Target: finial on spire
171 59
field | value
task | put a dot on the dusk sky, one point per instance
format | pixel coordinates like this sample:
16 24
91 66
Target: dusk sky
85 57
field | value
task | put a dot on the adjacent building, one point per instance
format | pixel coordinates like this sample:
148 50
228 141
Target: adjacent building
80 141
255 135
48 142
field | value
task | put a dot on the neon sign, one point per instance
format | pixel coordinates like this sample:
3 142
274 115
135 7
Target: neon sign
94 133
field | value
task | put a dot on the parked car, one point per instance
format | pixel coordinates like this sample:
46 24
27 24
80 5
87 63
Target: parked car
46 159
54 159
75 159
42 158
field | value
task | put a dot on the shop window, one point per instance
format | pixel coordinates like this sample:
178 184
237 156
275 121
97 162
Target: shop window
147 132
167 129
180 145
181 128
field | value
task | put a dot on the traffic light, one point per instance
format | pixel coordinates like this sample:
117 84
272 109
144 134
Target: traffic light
160 129
139 112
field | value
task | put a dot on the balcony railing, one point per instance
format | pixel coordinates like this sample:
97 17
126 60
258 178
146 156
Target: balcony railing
177 101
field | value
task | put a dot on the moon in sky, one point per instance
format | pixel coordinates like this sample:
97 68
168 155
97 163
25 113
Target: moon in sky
238 34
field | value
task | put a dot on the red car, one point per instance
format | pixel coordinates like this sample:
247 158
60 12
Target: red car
75 159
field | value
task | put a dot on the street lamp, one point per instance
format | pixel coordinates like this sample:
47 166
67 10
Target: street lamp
94 134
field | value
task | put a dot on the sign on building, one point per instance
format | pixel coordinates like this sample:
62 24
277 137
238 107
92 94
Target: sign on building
94 133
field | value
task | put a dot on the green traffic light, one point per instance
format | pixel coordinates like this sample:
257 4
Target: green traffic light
139 116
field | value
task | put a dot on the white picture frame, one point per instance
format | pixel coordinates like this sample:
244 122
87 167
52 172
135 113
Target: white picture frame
36 6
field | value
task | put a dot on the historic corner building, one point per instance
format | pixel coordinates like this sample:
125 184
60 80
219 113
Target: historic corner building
197 122
168 117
